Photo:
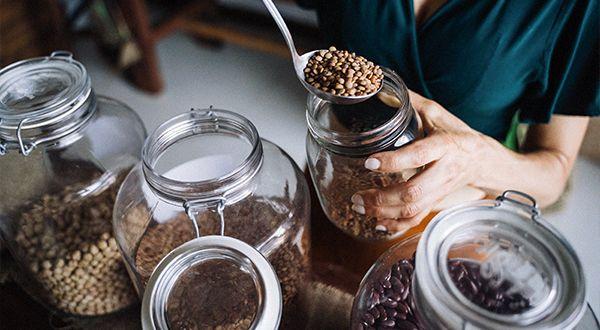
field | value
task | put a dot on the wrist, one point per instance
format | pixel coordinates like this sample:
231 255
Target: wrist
484 155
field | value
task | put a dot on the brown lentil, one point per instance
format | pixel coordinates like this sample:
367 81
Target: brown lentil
340 72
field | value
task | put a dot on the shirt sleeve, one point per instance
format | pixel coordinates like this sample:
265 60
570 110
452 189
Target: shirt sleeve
308 4
571 66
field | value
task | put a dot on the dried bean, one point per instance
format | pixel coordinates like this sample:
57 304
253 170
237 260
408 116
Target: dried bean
339 67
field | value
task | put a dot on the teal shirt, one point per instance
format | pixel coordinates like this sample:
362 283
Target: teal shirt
483 60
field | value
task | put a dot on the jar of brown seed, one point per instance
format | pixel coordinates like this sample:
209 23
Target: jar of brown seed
214 283
340 139
208 172
63 154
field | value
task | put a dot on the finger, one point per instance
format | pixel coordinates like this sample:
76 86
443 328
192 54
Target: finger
414 155
400 225
426 189
416 99
393 195
423 105
433 183
390 212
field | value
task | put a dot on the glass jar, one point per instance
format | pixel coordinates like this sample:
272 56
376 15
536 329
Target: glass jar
213 282
207 172
489 264
340 139
64 152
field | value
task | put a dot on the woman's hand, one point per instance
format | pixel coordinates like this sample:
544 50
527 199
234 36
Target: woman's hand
450 154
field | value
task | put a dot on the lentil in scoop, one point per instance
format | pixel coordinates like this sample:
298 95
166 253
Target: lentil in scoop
342 73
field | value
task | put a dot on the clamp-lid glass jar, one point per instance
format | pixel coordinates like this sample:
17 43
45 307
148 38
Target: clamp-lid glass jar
207 172
489 264
63 153
340 139
213 282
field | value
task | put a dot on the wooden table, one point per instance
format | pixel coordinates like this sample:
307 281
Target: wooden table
338 265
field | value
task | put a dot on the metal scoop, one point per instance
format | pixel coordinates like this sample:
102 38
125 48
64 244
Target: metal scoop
300 62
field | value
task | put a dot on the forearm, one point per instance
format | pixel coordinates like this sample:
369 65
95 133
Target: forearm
541 173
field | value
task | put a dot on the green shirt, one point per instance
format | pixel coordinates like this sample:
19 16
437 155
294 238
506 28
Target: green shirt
483 60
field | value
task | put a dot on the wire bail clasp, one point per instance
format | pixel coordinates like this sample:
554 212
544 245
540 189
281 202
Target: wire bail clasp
531 207
194 207
25 150
62 53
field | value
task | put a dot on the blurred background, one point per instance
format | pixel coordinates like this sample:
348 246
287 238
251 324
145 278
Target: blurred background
162 57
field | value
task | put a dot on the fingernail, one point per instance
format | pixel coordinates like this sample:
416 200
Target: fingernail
357 199
358 209
372 163
381 228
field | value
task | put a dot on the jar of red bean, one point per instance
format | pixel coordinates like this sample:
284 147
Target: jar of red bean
490 264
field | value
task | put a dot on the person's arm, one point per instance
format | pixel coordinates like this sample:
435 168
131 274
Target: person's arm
455 155
543 167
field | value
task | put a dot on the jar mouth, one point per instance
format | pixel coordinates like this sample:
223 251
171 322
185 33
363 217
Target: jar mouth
202 154
231 255
518 253
393 93
41 98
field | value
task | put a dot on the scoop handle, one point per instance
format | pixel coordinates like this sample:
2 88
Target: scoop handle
284 30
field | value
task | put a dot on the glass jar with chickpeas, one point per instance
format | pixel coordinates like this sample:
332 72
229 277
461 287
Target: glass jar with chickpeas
63 154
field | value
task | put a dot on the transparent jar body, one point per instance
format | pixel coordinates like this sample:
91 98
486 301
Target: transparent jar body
228 182
488 264
58 192
339 141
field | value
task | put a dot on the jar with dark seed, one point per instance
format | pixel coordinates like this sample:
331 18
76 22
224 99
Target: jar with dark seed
486 264
207 172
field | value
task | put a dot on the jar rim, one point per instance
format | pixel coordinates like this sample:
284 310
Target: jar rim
202 249
371 140
562 304
194 123
42 99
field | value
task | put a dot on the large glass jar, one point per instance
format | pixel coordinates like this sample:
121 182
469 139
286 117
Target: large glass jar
63 153
213 282
340 139
207 172
489 264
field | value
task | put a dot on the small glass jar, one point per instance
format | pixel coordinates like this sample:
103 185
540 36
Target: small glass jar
207 172
489 264
340 139
213 282
63 154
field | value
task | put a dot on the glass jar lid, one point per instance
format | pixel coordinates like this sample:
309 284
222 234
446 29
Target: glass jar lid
40 99
496 264
212 282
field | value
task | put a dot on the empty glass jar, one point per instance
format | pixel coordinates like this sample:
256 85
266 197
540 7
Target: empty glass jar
213 282
340 139
207 172
63 153
489 264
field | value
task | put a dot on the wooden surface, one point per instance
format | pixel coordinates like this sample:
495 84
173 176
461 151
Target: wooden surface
338 265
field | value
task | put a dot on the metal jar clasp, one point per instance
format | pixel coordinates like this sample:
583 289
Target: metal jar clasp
194 207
